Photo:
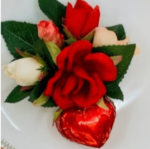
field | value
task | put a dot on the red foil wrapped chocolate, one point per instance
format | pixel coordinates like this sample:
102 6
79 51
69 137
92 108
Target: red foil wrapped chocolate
89 126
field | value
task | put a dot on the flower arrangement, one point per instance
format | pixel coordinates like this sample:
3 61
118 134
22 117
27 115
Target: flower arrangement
70 62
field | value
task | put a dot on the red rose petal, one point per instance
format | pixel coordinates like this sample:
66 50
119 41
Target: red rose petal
79 85
81 73
68 10
70 84
100 85
49 88
102 64
74 20
62 101
92 21
62 57
84 5
78 51
85 101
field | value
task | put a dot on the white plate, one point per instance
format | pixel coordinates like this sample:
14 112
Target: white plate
24 126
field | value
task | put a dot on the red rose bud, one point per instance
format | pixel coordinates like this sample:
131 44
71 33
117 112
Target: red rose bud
50 33
81 19
80 76
90 126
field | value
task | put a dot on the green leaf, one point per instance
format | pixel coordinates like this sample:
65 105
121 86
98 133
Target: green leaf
41 49
68 33
116 59
38 90
89 37
54 50
70 41
40 101
56 115
19 35
54 10
16 95
50 103
44 68
119 30
102 104
23 54
114 91
127 54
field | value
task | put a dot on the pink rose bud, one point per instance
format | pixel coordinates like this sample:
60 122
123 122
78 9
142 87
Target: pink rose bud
50 33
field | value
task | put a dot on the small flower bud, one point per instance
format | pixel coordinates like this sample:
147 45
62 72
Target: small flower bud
50 33
25 71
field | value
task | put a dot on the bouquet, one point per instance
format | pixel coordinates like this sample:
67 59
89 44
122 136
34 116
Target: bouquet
71 62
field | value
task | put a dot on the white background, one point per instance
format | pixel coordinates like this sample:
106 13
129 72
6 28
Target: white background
24 126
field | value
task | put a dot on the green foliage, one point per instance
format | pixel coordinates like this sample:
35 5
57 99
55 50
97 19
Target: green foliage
114 91
57 114
41 49
119 30
70 41
38 90
50 103
54 10
89 37
19 35
16 95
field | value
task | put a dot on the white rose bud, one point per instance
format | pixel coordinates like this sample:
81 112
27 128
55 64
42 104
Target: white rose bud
24 71
105 37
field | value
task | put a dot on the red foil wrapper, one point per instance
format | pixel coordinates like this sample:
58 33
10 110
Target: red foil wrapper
90 126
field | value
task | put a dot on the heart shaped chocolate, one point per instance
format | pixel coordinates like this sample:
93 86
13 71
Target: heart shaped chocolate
90 126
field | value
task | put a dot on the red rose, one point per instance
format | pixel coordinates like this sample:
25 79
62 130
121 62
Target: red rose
81 19
48 31
80 76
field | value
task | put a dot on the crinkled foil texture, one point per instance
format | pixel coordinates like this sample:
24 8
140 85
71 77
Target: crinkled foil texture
90 126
